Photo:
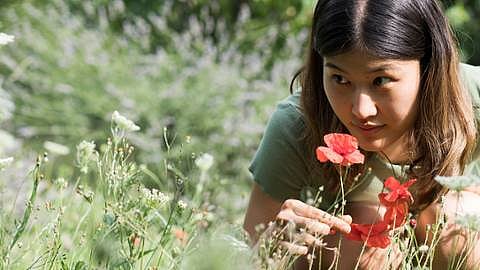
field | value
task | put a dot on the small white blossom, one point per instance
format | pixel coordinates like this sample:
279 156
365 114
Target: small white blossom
56 148
423 248
5 38
123 123
159 196
61 182
458 183
5 162
182 204
204 162
85 154
469 221
155 197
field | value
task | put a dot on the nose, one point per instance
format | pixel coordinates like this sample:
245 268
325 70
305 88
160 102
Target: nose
363 106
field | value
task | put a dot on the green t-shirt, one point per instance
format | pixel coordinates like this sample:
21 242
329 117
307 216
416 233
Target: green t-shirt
281 167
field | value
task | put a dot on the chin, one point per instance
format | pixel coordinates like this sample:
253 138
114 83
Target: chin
371 146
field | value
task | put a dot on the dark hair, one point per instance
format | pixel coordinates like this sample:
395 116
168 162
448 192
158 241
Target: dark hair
444 134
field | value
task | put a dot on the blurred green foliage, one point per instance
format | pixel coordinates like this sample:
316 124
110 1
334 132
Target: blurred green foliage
205 69
69 69
196 75
219 20
465 18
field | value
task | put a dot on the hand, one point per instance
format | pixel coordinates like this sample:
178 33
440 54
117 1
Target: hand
304 223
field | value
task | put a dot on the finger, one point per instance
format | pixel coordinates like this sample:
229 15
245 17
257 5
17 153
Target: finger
346 218
308 239
311 225
305 210
316 227
294 248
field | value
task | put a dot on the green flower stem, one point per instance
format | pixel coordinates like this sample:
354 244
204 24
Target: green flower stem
26 215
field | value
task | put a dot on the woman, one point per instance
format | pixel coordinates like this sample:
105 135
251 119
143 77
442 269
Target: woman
388 73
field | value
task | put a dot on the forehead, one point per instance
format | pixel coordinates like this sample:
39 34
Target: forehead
360 61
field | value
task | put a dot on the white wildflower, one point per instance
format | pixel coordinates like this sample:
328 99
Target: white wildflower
469 221
5 162
159 196
155 197
85 154
162 198
123 123
204 162
56 148
458 183
61 182
182 204
5 38
423 248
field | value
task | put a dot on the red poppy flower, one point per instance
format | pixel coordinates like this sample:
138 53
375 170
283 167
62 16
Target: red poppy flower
398 192
396 215
341 149
396 201
374 235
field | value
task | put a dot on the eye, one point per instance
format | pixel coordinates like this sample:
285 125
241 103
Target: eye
339 79
379 81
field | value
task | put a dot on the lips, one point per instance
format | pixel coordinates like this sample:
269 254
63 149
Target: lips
368 130
369 127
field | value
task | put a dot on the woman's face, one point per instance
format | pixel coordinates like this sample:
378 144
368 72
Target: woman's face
376 99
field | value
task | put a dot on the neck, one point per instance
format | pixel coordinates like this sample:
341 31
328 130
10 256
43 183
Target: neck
401 159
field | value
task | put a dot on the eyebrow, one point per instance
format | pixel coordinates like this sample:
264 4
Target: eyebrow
373 70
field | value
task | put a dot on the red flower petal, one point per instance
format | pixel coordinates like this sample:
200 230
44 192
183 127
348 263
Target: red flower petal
392 183
329 154
375 235
341 143
398 191
384 201
409 183
380 241
354 234
373 229
396 216
354 157
320 155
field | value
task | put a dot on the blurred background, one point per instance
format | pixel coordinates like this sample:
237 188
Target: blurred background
202 75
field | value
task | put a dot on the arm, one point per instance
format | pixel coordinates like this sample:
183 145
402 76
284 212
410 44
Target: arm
468 202
261 209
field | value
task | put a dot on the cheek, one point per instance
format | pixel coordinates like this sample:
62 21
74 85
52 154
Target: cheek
339 100
404 107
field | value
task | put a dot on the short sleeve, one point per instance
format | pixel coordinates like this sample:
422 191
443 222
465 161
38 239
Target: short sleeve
471 80
279 165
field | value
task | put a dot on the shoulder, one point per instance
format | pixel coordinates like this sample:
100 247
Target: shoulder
287 119
290 107
279 164
470 73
